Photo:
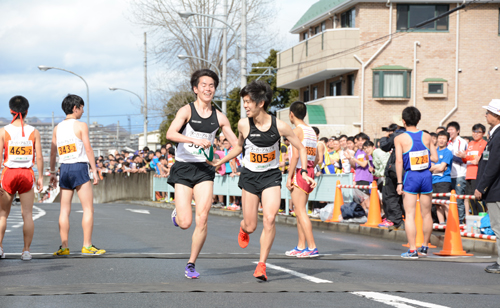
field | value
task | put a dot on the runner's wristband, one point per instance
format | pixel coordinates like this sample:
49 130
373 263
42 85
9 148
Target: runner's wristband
400 183
303 170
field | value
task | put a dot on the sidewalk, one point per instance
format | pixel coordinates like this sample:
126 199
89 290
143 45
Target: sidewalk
469 244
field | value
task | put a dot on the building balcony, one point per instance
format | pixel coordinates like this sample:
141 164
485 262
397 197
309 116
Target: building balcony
318 58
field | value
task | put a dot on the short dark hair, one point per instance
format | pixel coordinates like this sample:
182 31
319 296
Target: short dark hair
299 110
195 78
479 126
393 127
453 124
19 104
259 91
363 136
350 139
368 143
343 136
157 151
433 134
425 131
324 139
411 116
162 157
70 101
444 133
145 149
441 127
171 151
316 130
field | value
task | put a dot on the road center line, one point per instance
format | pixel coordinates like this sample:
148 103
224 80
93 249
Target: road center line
395 301
300 275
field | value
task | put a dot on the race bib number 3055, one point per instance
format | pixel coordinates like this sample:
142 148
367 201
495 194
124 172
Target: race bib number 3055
419 160
261 158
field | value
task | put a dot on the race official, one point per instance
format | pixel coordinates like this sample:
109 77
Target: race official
488 176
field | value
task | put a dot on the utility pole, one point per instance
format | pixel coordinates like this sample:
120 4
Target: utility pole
145 107
224 63
243 60
117 135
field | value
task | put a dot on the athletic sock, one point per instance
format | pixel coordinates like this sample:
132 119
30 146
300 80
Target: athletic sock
190 263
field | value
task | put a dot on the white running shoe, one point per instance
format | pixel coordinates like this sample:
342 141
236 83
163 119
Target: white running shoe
2 255
26 256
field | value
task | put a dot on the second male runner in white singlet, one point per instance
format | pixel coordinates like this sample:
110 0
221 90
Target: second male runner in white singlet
260 179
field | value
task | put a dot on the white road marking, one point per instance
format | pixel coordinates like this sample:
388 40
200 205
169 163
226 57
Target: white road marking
17 219
139 211
300 275
79 211
395 301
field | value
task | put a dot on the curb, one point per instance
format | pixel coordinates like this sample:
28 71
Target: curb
469 244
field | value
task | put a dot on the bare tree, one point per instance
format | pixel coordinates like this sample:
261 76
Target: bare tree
174 35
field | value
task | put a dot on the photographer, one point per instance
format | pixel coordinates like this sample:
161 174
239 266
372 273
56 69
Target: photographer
392 201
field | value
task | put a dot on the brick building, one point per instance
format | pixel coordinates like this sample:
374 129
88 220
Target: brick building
360 63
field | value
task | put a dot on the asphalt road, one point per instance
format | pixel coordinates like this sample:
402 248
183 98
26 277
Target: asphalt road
144 267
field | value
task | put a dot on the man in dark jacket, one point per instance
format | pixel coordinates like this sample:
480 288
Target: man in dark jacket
392 201
488 175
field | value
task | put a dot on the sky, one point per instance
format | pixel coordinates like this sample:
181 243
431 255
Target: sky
97 40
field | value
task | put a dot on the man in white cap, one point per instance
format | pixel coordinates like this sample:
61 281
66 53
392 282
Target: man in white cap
488 176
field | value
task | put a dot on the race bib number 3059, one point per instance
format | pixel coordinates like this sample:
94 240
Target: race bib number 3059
261 158
419 160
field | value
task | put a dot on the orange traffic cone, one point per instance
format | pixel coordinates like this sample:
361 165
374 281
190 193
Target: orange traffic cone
452 245
339 201
419 226
374 218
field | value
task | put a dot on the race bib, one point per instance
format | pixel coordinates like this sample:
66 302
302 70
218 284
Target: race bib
20 151
472 155
262 158
67 151
361 157
419 160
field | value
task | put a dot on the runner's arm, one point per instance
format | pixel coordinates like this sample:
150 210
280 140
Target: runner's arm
181 118
226 129
88 150
319 154
399 161
2 143
295 152
53 156
39 159
238 148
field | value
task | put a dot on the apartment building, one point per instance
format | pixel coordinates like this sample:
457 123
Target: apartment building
360 63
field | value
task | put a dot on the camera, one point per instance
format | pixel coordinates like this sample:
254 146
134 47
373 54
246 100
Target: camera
385 129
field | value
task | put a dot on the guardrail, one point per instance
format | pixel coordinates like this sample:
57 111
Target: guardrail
228 186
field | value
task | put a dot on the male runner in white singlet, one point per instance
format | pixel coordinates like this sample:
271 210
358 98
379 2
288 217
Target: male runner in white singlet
70 140
21 143
194 128
260 179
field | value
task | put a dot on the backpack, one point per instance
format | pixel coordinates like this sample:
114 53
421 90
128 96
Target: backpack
352 210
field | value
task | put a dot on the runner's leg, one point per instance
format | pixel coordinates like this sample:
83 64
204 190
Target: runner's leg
183 197
425 209
202 197
300 202
66 196
271 205
85 194
410 201
250 205
5 204
27 200
301 244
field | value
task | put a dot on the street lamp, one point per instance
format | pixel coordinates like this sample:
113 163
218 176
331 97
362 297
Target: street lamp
144 112
44 68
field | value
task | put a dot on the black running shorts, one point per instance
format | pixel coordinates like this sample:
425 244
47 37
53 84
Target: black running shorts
256 182
190 174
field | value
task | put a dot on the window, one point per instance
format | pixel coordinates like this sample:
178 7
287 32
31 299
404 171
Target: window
306 95
410 15
350 85
305 36
395 84
315 93
323 26
335 88
316 30
435 88
348 19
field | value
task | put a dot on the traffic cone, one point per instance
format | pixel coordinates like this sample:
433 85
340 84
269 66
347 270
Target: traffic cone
452 245
339 201
419 225
374 218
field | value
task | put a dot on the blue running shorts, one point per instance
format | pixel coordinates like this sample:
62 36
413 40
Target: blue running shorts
417 182
73 175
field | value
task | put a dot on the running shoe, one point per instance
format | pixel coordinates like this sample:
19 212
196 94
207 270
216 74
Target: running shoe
92 251
410 255
294 252
243 238
423 250
191 272
2 255
62 251
309 253
174 214
260 271
386 224
26 256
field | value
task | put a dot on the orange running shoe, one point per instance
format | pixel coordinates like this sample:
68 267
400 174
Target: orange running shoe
260 271
243 238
